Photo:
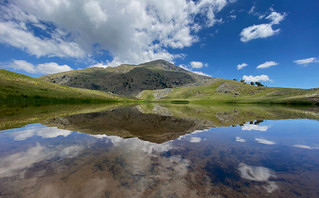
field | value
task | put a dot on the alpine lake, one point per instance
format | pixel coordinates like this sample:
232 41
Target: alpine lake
159 150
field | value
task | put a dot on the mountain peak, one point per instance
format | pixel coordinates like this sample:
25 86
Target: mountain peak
163 65
157 62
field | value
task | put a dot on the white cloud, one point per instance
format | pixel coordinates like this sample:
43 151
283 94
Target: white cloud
240 66
239 139
262 30
22 65
305 146
254 173
102 65
275 17
196 72
201 73
259 174
45 68
257 31
302 146
51 68
195 139
196 64
250 127
138 157
252 10
251 78
267 64
16 164
264 141
41 131
189 135
130 31
306 61
18 37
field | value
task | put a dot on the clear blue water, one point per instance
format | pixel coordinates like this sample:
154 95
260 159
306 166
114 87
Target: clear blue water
269 158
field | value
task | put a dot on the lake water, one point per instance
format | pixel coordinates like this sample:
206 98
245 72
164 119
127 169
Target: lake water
156 150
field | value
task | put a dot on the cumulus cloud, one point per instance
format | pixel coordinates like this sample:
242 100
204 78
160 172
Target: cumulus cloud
130 31
45 68
38 130
259 174
257 31
254 173
251 127
251 78
275 17
262 30
13 34
195 140
240 66
16 164
306 61
196 64
267 64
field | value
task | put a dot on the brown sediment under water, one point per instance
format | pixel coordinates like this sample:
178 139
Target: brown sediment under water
157 150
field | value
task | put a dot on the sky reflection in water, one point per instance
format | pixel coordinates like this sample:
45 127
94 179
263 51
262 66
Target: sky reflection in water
256 158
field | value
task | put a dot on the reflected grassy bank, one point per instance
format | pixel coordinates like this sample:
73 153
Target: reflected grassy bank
151 121
13 116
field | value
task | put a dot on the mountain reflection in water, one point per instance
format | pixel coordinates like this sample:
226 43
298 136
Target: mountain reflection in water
164 151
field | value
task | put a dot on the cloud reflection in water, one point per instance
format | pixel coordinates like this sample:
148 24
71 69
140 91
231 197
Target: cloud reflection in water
37 130
259 174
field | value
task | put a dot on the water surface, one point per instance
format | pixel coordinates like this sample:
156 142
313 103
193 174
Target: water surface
159 151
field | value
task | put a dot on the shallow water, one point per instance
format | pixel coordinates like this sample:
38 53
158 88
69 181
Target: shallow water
162 151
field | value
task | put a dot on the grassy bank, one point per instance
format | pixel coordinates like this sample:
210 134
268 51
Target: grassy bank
228 91
19 88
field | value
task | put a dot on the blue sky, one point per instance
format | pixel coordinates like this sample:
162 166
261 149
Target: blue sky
214 37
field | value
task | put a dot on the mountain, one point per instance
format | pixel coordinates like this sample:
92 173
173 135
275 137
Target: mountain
223 90
153 81
19 87
128 80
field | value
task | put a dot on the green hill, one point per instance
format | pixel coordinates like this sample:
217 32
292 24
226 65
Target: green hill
127 80
16 87
222 90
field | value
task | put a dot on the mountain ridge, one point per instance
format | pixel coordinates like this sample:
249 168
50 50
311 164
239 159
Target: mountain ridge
128 80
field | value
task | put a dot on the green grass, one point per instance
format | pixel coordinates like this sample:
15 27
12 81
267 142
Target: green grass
20 88
228 91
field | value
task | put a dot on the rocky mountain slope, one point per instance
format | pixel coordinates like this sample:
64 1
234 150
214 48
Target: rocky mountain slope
128 80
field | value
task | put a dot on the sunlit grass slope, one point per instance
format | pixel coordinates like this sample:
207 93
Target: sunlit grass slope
16 87
222 90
